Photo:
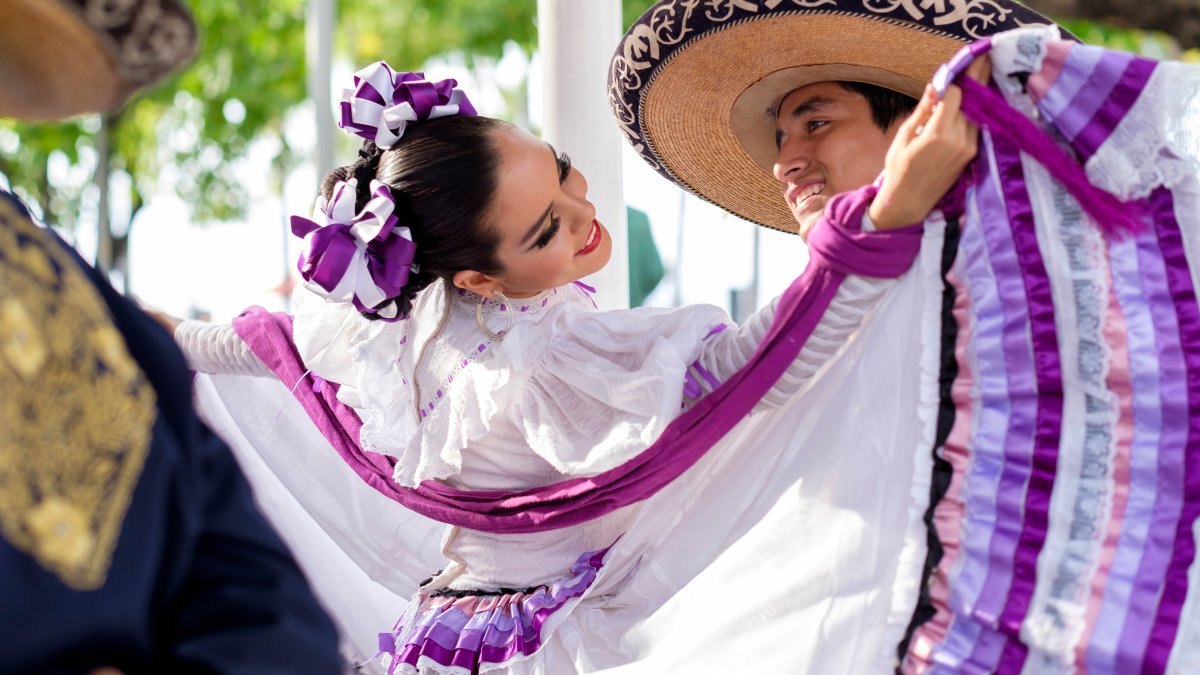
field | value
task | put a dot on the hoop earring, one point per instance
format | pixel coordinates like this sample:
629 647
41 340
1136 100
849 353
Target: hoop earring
507 304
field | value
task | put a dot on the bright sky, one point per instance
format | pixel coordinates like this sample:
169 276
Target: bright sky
222 268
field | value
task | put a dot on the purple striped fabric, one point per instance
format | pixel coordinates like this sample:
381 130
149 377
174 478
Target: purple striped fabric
470 631
1179 281
1131 622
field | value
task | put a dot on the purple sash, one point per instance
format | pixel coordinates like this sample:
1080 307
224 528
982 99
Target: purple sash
838 248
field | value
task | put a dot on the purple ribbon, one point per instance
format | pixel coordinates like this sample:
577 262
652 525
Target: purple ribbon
682 443
383 102
362 258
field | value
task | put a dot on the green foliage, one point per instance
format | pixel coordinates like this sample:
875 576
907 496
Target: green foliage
251 66
407 34
1147 43
251 61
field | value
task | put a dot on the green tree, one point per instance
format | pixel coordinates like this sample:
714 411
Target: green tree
248 73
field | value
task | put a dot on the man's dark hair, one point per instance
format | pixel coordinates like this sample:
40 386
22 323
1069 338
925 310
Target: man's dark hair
887 106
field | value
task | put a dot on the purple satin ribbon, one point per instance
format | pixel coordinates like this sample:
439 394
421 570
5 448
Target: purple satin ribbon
365 259
383 102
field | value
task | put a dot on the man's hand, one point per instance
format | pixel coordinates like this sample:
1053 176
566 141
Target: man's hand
928 154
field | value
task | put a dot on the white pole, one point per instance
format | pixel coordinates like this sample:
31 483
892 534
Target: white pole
319 48
318 39
576 39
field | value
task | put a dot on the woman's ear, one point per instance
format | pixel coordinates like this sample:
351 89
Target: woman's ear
477 282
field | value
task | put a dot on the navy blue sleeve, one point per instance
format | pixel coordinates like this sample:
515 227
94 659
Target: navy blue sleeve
229 597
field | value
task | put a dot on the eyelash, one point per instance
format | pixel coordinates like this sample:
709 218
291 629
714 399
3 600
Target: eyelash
544 240
564 167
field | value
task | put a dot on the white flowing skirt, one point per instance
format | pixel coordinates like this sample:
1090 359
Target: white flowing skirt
795 545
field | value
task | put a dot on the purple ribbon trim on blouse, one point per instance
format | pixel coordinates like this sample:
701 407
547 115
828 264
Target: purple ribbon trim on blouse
681 444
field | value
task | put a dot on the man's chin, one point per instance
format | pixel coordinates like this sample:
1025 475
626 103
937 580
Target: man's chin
807 222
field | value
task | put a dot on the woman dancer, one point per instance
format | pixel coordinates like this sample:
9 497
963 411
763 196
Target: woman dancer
456 347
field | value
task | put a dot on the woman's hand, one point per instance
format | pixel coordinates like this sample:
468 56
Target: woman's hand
928 154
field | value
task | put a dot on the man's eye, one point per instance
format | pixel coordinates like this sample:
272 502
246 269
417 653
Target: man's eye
813 125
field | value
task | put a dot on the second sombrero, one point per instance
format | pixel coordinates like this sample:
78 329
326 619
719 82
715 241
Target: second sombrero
692 83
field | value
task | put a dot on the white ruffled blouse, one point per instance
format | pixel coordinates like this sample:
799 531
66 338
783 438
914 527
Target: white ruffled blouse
568 391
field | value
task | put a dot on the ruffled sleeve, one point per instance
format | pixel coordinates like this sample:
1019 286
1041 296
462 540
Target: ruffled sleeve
727 351
325 334
604 385
216 348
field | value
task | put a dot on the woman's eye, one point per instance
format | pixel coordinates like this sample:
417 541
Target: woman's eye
564 167
544 240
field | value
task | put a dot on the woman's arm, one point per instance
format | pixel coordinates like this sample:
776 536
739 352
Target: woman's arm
216 348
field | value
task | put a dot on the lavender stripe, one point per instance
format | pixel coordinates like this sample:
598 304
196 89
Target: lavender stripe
1139 291
1048 427
997 299
1016 459
1100 81
1179 281
1114 108
1166 484
1077 66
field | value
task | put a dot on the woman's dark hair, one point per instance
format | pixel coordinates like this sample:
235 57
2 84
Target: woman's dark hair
887 106
442 174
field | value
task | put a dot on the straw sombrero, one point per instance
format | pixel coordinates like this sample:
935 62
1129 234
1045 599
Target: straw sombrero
692 83
60 58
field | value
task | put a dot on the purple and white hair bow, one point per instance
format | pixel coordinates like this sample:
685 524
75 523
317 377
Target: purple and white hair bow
362 258
383 102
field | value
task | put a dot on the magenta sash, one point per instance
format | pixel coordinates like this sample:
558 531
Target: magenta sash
838 248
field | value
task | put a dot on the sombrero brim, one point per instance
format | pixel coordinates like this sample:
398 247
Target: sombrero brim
698 104
52 64
59 58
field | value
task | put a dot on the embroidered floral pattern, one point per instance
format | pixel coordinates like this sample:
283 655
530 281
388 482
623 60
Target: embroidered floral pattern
76 410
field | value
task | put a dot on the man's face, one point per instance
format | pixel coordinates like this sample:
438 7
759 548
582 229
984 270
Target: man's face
827 144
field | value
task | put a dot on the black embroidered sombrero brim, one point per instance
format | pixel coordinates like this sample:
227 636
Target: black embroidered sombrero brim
60 58
693 84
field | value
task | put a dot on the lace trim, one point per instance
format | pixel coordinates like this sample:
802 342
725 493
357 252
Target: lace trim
426 436
1158 141
1080 504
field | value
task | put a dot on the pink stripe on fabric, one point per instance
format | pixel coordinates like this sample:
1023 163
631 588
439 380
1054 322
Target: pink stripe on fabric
1099 76
1119 382
835 249
1002 441
1045 77
950 513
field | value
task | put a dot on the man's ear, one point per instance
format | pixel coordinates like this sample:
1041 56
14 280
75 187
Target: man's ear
477 282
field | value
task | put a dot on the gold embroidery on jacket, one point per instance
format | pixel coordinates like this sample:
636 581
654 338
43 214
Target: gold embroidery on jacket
75 410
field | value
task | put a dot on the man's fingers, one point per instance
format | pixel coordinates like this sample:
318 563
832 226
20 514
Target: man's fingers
919 118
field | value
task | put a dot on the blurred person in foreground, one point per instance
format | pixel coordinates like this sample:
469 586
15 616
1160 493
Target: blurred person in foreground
129 542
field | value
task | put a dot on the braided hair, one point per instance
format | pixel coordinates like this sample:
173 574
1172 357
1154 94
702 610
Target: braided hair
442 174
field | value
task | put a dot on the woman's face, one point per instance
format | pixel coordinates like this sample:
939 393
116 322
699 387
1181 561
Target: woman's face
548 232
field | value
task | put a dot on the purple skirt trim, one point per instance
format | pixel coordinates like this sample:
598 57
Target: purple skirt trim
466 632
